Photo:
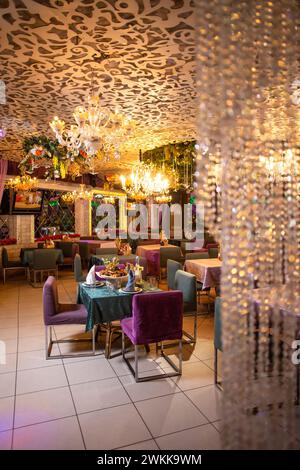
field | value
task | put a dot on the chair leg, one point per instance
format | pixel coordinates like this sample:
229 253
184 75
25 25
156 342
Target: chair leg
3 275
93 339
180 357
49 342
108 342
136 362
123 345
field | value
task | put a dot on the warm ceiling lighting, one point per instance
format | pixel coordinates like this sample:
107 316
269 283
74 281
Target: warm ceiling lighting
83 193
145 181
98 131
21 183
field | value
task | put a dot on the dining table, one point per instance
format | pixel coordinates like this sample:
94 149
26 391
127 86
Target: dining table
26 255
105 305
207 271
97 260
152 255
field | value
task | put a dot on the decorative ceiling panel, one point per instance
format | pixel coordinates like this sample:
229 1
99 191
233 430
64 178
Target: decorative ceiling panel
138 53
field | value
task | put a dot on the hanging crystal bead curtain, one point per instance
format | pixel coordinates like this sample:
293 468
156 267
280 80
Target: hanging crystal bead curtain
248 122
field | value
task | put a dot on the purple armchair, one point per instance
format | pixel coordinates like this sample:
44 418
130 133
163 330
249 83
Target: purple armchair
156 317
62 314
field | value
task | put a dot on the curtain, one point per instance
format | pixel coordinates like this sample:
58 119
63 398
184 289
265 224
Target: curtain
3 172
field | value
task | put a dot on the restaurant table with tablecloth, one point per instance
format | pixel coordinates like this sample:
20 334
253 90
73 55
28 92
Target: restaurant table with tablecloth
105 305
26 255
207 271
152 255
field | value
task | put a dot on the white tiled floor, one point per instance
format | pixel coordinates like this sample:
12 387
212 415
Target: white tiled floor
92 403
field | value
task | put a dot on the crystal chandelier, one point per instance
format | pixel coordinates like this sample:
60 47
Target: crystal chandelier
97 132
145 181
248 125
279 166
165 198
21 183
83 193
68 198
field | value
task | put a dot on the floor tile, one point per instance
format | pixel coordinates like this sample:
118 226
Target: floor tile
200 438
208 401
7 384
98 395
218 425
145 445
204 350
61 434
194 375
88 371
5 440
10 363
170 413
8 333
145 390
31 343
11 345
113 427
34 359
42 378
31 330
121 368
6 413
9 321
42 406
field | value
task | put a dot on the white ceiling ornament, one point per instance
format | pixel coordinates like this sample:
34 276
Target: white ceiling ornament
141 53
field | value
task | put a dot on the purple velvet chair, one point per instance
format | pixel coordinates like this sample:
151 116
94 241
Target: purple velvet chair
62 314
156 317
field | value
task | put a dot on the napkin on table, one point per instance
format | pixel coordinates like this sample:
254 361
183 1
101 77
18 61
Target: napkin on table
91 278
130 286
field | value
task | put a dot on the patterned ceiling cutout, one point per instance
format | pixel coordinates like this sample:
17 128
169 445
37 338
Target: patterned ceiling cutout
138 53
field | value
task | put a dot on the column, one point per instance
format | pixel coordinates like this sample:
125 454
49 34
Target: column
21 227
83 217
123 213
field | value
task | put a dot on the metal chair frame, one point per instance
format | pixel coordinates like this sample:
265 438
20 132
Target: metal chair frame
135 371
49 344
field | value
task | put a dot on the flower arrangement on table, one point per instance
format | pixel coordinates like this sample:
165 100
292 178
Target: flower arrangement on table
40 151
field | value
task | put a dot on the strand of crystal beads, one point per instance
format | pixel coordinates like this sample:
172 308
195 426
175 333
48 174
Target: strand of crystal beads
247 135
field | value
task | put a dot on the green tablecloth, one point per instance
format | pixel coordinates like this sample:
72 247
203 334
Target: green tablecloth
104 305
26 255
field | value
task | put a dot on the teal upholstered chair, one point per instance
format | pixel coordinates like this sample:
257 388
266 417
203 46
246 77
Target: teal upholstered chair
217 337
44 261
69 250
186 283
79 277
172 268
213 252
84 251
107 251
197 255
169 252
10 265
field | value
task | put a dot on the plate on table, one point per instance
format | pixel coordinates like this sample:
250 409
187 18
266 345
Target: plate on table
136 290
96 284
